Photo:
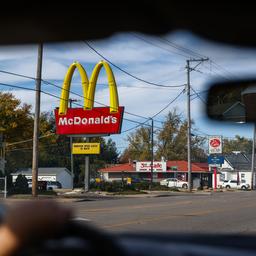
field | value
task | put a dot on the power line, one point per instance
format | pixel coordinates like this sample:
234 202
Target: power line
158 46
198 95
157 114
59 87
218 66
17 86
127 73
50 83
188 51
57 97
169 104
42 146
15 74
181 48
50 94
23 141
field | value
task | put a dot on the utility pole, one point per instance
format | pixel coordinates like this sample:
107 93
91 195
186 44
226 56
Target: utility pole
152 150
36 121
189 69
71 143
253 156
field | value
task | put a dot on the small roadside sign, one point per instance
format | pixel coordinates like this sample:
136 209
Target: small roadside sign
85 148
215 160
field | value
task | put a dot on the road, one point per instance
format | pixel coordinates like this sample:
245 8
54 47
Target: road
226 212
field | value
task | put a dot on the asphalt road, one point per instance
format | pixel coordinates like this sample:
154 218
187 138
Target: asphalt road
226 212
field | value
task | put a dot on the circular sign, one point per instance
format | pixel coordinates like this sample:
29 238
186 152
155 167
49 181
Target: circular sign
215 143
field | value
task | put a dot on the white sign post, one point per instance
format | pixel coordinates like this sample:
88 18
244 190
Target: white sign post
215 144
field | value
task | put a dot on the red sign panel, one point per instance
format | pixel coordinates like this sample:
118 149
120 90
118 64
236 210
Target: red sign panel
95 121
215 143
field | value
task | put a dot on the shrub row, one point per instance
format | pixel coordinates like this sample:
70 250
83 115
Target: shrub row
119 186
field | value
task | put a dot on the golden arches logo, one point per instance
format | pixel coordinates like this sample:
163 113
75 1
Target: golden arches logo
89 87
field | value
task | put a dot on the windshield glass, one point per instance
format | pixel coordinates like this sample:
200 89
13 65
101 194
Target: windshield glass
138 175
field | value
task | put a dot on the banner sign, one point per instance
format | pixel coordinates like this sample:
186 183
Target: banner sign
86 148
146 166
215 144
89 120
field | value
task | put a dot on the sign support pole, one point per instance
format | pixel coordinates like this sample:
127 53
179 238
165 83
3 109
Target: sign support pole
152 152
86 172
215 177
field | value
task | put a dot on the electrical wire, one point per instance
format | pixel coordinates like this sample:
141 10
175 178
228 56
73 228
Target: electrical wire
198 95
129 74
169 104
23 141
47 93
57 97
190 52
158 46
181 48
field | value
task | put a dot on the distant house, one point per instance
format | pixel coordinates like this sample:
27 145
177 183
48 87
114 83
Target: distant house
237 166
60 174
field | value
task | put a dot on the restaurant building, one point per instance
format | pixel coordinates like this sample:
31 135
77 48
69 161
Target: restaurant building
161 170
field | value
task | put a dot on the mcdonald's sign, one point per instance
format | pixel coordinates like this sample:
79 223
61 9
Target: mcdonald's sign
89 120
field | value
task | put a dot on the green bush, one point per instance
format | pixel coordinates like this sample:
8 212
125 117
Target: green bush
20 186
119 186
115 186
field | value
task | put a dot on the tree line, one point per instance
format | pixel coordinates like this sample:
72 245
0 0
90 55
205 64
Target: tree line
170 142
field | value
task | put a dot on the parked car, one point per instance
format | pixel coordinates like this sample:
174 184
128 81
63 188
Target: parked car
51 185
177 183
30 183
233 184
165 181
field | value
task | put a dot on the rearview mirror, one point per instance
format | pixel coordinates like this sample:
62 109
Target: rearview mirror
233 101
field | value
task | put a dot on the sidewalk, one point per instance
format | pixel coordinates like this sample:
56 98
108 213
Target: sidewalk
79 195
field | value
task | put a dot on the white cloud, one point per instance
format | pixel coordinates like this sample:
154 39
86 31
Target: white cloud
47 102
135 56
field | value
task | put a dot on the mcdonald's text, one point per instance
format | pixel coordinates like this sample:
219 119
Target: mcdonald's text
95 121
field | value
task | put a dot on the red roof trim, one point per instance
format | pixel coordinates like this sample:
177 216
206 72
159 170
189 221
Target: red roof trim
181 167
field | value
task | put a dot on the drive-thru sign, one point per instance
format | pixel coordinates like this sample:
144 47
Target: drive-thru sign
86 148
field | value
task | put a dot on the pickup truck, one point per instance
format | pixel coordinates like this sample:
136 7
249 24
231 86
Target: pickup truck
234 184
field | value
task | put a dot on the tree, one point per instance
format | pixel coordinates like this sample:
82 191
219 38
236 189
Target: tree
139 145
171 142
15 118
108 156
17 122
238 144
172 138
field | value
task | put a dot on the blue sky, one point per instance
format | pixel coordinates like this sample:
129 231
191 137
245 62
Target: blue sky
153 60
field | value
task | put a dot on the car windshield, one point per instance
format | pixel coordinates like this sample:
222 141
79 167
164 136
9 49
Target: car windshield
135 171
